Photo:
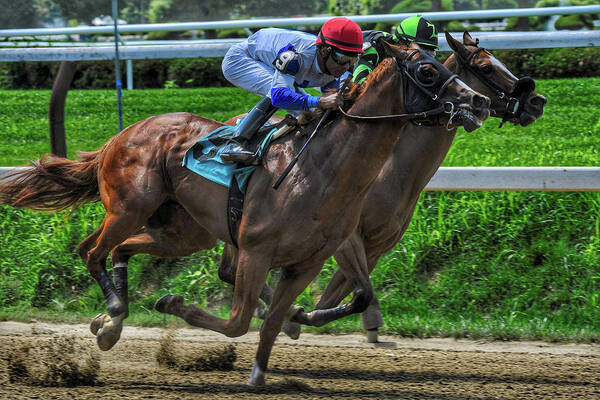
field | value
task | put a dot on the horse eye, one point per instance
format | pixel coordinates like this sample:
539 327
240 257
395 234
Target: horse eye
426 74
487 69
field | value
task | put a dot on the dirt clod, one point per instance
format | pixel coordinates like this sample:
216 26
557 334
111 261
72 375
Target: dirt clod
219 358
52 362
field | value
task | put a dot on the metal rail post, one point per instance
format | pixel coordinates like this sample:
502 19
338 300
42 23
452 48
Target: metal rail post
115 10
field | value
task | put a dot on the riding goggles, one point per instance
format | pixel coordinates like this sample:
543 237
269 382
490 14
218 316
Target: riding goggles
343 59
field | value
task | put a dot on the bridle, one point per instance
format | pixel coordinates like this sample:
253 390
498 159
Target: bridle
433 90
516 97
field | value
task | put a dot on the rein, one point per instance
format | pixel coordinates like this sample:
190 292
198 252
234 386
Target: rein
401 117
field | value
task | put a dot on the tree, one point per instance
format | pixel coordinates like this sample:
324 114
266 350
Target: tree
135 11
352 7
412 6
84 10
17 14
188 10
193 10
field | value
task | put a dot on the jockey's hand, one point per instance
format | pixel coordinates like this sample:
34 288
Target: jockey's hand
331 101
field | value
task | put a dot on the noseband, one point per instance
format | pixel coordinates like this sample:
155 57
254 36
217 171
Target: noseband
515 97
433 90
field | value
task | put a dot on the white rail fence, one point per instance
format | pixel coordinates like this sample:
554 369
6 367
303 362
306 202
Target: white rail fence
489 40
500 178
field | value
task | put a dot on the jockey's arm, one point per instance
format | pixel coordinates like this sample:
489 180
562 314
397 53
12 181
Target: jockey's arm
283 96
367 62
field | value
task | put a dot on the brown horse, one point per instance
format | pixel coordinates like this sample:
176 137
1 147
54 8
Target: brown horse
295 228
390 202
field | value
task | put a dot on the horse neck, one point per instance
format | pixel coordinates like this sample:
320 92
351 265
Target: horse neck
354 151
417 155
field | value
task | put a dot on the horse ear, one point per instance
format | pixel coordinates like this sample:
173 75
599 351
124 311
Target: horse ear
414 46
456 45
389 52
393 51
468 40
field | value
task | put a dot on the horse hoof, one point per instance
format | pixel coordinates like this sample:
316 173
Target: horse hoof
107 338
110 333
98 322
257 376
291 329
165 303
257 383
372 336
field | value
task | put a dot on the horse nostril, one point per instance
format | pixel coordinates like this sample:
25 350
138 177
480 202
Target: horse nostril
537 101
478 101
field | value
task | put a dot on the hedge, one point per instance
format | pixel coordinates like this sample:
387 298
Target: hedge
206 72
185 72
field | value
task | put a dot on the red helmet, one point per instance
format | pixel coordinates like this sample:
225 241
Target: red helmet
343 34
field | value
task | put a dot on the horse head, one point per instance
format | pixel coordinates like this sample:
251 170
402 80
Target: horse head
428 91
513 99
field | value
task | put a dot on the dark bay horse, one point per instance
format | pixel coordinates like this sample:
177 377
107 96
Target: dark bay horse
391 200
295 228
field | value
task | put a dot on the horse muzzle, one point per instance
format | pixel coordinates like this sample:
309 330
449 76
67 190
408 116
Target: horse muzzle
472 112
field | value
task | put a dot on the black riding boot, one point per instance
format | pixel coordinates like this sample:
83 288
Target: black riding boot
236 150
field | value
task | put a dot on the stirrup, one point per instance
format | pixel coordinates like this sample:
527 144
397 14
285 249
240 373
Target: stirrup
234 152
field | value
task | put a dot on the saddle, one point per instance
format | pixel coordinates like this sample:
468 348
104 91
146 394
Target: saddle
204 159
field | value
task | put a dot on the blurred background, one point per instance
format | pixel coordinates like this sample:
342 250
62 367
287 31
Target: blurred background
62 13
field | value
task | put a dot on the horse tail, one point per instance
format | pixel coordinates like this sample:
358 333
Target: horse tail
54 183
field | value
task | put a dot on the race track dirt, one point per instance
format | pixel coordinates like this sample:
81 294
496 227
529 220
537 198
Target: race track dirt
315 366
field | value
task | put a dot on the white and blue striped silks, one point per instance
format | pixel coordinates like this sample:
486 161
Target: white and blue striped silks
249 65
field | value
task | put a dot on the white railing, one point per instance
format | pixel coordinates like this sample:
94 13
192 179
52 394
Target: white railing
489 40
502 178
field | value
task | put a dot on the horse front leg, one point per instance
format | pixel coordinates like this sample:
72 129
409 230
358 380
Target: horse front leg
339 287
251 275
352 260
293 281
227 272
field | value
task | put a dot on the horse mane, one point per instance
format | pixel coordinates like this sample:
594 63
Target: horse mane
355 91
373 78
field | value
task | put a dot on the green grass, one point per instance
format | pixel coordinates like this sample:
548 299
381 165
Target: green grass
91 115
503 265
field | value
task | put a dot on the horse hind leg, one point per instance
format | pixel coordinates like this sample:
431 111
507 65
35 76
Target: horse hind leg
160 242
116 227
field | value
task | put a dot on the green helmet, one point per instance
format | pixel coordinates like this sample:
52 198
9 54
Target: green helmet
417 29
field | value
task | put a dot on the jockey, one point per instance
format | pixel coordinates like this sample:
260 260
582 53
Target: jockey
416 29
277 64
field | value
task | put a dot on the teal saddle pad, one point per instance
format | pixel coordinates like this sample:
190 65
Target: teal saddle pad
204 158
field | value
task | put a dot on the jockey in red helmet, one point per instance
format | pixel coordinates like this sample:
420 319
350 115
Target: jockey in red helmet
342 40
278 64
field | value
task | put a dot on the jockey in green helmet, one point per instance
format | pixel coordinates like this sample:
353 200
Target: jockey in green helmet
415 28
